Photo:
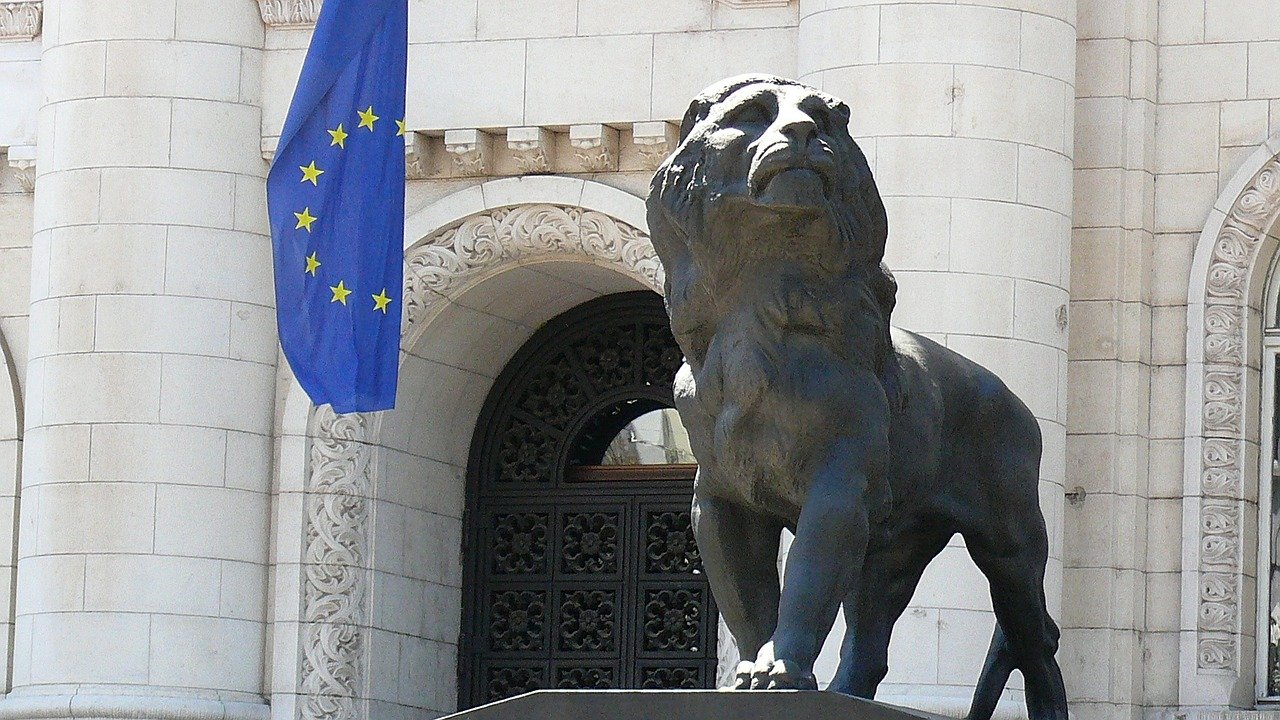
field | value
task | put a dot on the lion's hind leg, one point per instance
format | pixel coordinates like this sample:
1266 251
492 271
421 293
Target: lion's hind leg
889 579
1026 637
996 670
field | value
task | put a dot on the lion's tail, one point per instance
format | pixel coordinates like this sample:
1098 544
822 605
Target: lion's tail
995 674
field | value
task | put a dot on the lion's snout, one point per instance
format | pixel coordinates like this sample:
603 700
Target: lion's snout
787 179
790 173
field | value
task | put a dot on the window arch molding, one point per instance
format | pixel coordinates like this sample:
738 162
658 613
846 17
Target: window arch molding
1223 432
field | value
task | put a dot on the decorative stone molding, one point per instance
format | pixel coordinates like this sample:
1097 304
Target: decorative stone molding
1221 419
20 21
289 13
595 147
450 260
22 159
655 141
335 583
420 155
532 148
472 151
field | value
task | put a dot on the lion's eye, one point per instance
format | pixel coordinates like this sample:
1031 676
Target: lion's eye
752 114
821 116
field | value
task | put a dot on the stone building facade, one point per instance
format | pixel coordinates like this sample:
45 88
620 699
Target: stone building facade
1083 195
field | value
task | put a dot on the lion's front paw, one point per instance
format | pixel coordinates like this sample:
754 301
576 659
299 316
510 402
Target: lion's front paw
782 675
772 673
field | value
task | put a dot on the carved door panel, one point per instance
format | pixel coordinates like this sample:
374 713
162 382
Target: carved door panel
583 575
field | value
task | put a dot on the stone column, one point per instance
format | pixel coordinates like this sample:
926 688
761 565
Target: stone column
966 111
142 572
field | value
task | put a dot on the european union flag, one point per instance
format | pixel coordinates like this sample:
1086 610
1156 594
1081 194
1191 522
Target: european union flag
335 196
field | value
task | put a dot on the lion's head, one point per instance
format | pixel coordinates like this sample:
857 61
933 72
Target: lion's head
765 157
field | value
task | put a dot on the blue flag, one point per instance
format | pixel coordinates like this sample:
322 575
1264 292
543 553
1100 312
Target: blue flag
335 195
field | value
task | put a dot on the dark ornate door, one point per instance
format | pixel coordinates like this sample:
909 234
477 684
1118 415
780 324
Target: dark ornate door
582 570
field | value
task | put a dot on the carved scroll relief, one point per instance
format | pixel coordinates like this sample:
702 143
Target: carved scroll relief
335 583
1222 412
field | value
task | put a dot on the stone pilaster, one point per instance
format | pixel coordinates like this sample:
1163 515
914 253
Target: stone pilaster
142 571
1120 555
965 112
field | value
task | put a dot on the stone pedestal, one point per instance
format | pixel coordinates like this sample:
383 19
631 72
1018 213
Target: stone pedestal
688 705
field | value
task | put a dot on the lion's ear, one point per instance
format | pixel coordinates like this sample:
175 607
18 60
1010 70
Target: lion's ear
697 111
840 112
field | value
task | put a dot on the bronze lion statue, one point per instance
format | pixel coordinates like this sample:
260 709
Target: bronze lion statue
808 411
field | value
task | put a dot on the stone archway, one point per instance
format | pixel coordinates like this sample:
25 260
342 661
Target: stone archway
333 467
1224 320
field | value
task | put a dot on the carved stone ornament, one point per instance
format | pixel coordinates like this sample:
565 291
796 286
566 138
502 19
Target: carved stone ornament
655 141
451 259
22 161
20 21
289 13
25 172
417 156
335 583
532 148
1222 413
595 147
471 150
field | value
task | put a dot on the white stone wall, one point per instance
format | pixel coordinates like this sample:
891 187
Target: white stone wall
15 261
19 101
19 84
510 63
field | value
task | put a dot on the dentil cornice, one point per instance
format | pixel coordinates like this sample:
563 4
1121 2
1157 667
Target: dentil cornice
20 21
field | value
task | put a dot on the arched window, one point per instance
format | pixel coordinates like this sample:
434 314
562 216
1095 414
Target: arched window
1269 523
1268 617
581 570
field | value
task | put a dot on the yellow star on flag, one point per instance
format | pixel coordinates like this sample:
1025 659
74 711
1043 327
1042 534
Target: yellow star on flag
367 118
381 300
400 131
305 219
340 293
312 264
311 173
339 137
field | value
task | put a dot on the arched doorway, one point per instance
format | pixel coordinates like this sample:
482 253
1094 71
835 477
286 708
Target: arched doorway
581 570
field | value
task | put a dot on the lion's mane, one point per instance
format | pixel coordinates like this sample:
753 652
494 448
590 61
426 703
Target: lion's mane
682 189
